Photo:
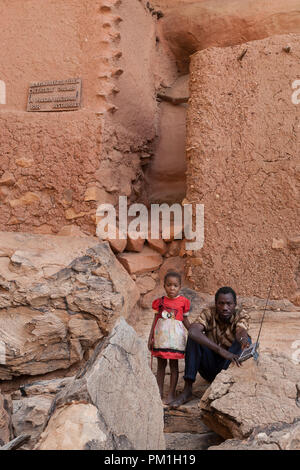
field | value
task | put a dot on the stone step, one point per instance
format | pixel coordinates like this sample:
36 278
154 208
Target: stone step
185 419
185 430
191 441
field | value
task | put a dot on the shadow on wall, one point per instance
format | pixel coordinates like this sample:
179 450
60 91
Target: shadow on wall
191 26
165 176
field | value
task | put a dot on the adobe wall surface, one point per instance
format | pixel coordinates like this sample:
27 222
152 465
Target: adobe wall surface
47 159
243 162
55 168
61 40
165 176
47 163
190 26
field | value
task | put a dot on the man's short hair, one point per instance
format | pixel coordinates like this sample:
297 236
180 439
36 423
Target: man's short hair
225 290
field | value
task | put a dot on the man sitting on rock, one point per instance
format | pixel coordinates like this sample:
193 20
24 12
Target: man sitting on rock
215 340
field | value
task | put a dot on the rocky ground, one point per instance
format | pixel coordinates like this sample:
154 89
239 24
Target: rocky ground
189 428
52 325
69 365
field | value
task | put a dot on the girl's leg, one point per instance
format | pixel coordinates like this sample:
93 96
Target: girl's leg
173 380
160 377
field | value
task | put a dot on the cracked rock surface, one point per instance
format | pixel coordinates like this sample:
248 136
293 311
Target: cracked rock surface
113 402
53 323
5 420
256 394
280 437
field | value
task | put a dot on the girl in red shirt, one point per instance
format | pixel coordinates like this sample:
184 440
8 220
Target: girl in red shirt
167 338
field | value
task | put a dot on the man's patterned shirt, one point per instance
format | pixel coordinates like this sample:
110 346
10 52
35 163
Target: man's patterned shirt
217 330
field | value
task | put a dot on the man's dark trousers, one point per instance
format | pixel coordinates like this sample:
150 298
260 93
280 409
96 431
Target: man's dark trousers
199 358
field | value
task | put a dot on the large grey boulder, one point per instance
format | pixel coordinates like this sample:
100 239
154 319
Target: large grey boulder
5 420
256 394
113 403
29 416
31 404
280 437
50 325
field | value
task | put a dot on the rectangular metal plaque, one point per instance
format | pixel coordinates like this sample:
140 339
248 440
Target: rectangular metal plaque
55 95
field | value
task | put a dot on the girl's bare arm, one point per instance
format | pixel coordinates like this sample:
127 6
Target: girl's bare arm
150 339
186 323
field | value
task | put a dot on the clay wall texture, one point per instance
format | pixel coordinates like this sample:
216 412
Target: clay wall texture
243 162
55 168
165 176
57 41
191 26
47 159
46 163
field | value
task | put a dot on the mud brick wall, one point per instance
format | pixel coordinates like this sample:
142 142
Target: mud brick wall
55 168
47 162
243 158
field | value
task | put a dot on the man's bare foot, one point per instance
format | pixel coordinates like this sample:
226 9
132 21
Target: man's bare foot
169 400
184 397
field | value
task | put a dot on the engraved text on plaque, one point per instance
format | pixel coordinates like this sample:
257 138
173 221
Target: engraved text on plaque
55 95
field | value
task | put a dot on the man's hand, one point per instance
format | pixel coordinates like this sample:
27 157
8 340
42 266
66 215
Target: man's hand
245 343
242 337
230 356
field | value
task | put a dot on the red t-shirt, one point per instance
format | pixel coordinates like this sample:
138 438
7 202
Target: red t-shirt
179 306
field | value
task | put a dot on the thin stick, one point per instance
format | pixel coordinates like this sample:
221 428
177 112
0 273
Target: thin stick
242 54
264 311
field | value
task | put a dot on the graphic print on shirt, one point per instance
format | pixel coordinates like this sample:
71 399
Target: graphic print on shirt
169 313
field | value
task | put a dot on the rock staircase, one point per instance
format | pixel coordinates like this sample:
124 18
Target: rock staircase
184 428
